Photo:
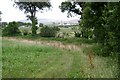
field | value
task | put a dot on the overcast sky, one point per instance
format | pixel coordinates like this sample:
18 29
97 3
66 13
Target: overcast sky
11 13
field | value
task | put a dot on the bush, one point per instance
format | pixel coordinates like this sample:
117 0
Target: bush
11 29
77 34
101 50
49 31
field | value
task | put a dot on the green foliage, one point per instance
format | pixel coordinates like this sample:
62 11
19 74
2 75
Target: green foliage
32 8
98 16
76 31
0 15
106 19
77 34
113 27
71 7
56 28
41 25
76 40
11 29
24 24
49 31
99 21
3 25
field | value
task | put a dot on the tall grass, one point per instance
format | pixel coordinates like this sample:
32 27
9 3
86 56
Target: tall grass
22 60
105 66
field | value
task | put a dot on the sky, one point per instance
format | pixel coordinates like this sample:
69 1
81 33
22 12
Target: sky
10 13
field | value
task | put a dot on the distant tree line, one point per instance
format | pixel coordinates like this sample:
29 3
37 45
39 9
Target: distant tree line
12 29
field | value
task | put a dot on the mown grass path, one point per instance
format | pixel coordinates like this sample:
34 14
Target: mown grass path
77 60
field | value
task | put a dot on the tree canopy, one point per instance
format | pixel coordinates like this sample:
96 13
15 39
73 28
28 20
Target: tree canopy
73 7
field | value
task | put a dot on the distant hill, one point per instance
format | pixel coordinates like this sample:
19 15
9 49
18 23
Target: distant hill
53 21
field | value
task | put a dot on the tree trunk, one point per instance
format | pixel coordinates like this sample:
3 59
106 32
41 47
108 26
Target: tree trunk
34 27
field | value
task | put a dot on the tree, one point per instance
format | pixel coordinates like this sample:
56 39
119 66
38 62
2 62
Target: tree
101 20
92 19
0 15
104 19
49 31
3 24
21 23
76 31
32 8
41 25
11 29
73 7
112 18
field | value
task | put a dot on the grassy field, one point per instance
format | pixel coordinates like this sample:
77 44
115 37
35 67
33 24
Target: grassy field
62 29
28 60
67 30
22 60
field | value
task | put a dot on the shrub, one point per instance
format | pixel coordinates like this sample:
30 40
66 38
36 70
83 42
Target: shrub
77 34
56 28
11 29
49 31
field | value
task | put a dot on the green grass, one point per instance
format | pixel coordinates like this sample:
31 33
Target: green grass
105 66
22 60
25 60
62 29
66 30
